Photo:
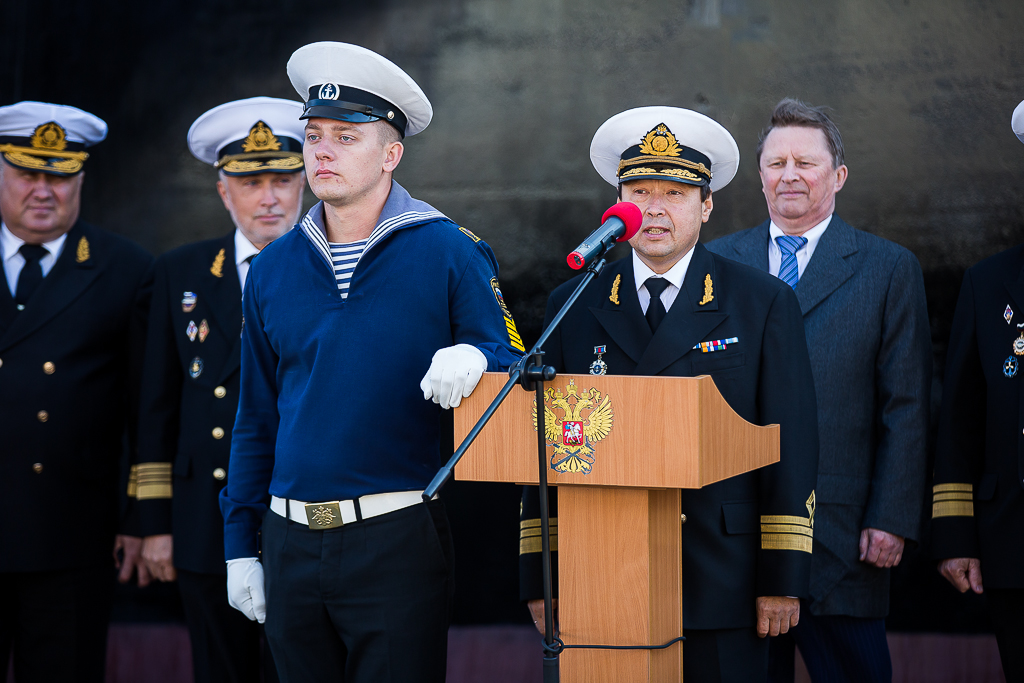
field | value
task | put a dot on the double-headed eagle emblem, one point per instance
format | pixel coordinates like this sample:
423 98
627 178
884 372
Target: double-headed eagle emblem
586 419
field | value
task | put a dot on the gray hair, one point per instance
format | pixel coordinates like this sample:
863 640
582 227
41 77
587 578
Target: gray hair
791 112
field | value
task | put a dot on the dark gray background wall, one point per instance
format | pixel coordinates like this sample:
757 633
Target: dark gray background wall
921 89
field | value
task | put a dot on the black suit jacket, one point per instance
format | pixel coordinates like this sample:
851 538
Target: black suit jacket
69 366
186 418
977 497
765 377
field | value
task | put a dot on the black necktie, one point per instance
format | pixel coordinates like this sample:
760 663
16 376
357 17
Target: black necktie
249 258
656 309
31 273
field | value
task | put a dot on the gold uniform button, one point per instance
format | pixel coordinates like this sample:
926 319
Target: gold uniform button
682 519
218 433
42 416
38 468
1 363
220 392
219 474
49 368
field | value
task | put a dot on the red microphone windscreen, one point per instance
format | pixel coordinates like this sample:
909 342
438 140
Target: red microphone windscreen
630 214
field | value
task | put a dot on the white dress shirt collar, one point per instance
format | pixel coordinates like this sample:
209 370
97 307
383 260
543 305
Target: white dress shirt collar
13 260
243 250
675 276
803 256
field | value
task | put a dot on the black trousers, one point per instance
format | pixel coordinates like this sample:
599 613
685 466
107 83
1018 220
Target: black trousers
56 623
835 648
369 601
729 655
225 644
1006 606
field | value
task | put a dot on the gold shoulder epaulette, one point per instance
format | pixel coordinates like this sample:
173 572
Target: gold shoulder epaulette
218 264
708 290
469 233
82 253
529 535
952 500
614 296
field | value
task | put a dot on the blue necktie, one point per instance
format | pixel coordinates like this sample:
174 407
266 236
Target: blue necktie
789 245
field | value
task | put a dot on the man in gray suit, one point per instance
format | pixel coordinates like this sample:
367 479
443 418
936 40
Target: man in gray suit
867 330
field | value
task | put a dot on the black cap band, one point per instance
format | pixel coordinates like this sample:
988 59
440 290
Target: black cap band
342 103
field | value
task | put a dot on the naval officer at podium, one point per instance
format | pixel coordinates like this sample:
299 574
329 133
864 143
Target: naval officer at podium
674 308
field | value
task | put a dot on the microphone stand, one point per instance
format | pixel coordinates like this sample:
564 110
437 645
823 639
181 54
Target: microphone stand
531 373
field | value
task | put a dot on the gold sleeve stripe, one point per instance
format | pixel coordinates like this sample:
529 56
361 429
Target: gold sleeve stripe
513 334
786 519
535 523
786 529
952 496
153 480
133 481
530 537
532 545
952 508
786 542
530 533
943 488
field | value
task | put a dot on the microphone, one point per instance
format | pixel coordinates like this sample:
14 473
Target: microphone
618 224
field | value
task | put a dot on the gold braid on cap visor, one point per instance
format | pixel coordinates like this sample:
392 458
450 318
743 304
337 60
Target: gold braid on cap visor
646 159
269 161
44 159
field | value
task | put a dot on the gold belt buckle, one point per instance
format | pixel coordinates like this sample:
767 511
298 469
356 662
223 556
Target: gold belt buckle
323 515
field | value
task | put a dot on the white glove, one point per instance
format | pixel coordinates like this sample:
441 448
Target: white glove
245 588
454 373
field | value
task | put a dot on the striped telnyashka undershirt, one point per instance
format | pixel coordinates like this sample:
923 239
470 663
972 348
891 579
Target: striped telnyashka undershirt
345 257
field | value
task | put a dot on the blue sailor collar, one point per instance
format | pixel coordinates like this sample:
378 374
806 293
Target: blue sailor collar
400 211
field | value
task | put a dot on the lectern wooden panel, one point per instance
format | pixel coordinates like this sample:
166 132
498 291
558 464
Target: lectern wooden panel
621 447
667 432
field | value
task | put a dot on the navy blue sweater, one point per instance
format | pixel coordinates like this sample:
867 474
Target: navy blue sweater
330 404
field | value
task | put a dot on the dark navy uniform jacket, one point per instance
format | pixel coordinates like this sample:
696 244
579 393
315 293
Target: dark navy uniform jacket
69 371
978 492
189 400
750 535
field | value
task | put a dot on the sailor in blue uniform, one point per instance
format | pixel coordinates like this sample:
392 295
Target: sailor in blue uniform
336 435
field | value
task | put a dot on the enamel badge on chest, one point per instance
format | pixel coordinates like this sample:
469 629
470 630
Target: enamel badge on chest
191 330
1010 366
1008 314
599 367
1018 345
188 302
195 368
204 329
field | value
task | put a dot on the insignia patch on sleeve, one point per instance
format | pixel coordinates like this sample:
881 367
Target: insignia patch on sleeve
510 324
469 233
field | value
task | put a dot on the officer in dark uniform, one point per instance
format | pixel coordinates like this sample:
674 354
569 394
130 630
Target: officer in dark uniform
676 309
978 492
190 389
72 319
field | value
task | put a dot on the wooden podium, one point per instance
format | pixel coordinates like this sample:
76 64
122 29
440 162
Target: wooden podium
623 447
